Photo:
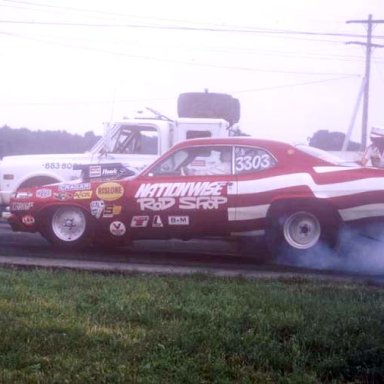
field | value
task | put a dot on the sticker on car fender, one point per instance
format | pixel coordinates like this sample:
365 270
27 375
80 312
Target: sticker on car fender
23 195
62 196
109 191
111 210
74 187
22 206
28 220
178 220
97 208
117 228
139 221
157 222
83 195
43 193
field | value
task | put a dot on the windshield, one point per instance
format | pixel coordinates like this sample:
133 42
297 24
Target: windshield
324 155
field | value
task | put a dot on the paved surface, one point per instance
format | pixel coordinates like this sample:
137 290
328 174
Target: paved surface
213 257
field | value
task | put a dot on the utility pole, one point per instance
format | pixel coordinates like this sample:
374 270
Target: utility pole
369 45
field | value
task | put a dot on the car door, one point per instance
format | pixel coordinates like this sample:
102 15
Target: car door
186 195
257 174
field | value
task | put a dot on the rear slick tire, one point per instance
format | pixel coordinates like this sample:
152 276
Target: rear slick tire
301 231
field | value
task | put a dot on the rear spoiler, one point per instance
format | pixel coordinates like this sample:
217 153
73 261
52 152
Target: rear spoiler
104 171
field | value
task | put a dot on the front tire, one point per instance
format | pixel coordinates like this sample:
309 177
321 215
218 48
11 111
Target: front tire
68 227
301 230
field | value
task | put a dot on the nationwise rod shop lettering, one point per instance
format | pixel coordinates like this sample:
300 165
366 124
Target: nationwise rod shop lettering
201 188
200 195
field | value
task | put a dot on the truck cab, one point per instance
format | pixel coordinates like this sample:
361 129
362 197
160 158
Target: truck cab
135 143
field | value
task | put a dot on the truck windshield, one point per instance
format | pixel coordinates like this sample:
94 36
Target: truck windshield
136 139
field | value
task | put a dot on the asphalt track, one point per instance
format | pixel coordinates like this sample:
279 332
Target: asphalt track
213 257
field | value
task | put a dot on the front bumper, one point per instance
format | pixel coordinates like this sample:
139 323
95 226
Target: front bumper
4 211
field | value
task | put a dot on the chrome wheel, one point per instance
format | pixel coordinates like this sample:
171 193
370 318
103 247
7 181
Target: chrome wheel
302 230
69 224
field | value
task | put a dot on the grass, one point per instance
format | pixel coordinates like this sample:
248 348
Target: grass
75 327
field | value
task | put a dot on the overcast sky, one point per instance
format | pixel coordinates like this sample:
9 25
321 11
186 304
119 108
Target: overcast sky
71 65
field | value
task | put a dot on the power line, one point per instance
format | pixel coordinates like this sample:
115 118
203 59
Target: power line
84 102
213 27
182 28
291 85
175 61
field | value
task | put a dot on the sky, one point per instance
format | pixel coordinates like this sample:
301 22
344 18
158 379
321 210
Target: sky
73 65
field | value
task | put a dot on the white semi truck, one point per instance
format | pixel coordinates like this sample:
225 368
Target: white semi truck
135 143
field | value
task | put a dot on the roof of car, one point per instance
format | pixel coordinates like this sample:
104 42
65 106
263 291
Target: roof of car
242 140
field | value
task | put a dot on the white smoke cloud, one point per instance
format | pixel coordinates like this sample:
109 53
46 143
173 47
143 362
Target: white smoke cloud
360 250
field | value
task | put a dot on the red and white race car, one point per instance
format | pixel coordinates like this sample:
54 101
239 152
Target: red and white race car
299 196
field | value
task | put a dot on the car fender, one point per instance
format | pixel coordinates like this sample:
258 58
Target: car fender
325 206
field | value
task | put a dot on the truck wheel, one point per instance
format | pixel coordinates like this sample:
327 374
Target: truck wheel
302 230
68 227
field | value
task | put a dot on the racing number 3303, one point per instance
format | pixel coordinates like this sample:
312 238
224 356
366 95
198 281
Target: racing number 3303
58 165
247 163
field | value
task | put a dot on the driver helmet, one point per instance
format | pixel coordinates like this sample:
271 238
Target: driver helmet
377 134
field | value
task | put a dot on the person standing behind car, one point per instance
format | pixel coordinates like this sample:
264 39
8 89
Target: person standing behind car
375 152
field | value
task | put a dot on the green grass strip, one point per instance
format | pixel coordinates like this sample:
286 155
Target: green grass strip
76 327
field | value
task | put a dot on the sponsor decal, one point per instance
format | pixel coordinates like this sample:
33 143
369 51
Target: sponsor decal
109 191
178 220
22 206
190 195
28 220
97 208
157 222
43 193
139 221
117 209
23 195
111 210
94 171
117 228
109 172
62 196
74 187
82 195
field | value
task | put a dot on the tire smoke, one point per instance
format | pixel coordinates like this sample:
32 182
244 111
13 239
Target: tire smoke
360 250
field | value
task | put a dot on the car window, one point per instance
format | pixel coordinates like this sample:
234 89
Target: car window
249 160
197 161
171 165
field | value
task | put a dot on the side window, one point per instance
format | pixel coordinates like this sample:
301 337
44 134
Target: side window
249 160
197 161
196 134
205 161
171 165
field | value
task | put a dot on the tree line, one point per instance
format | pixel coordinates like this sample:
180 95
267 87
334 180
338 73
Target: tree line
23 141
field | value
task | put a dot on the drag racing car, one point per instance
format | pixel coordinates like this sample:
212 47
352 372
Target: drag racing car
297 196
